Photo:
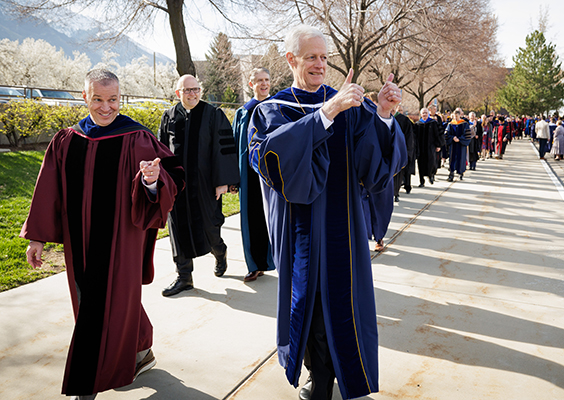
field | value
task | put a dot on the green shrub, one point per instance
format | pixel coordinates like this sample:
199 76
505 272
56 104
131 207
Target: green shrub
148 116
65 116
25 121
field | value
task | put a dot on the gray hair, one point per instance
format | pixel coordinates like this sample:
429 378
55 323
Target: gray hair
255 72
293 39
101 75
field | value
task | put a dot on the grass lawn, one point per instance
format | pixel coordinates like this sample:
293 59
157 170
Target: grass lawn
18 173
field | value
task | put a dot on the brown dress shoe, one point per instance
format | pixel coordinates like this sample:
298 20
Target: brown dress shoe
379 245
252 276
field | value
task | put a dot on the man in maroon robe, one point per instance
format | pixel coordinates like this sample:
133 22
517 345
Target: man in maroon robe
102 192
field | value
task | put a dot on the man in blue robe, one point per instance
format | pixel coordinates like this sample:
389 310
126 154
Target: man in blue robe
457 136
256 246
312 147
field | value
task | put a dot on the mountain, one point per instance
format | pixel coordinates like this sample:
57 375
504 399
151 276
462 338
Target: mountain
72 36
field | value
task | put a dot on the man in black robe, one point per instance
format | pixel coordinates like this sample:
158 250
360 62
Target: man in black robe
429 141
200 135
404 176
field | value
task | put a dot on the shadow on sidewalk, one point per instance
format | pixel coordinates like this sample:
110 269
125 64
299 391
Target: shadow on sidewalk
420 327
166 386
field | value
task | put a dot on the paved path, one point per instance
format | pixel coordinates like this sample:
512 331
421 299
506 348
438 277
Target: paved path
469 296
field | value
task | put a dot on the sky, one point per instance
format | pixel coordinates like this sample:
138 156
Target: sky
516 19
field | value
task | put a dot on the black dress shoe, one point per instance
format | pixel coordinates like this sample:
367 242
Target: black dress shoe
408 190
178 286
305 391
421 185
431 180
220 265
450 179
252 276
396 199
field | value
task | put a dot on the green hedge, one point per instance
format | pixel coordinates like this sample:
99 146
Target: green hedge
30 121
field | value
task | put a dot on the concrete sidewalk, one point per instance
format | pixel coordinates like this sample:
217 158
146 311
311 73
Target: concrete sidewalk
469 295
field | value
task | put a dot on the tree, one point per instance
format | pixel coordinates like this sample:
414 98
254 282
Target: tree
432 57
358 29
229 96
223 70
130 15
37 63
535 86
280 73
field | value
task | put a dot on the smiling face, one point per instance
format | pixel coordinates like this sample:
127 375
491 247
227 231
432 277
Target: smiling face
102 99
185 91
310 65
261 85
424 113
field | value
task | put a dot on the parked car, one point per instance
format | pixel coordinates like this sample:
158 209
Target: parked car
54 97
7 93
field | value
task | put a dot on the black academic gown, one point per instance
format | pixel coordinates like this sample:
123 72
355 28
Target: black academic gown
209 158
428 136
403 177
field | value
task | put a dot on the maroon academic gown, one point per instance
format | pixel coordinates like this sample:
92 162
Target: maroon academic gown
89 196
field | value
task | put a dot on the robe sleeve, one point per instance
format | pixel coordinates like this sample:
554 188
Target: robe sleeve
379 152
225 170
151 211
238 125
449 134
291 157
439 138
44 222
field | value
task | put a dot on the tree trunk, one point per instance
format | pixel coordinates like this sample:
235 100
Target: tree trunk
184 63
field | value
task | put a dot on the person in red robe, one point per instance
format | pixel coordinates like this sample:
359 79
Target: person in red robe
105 187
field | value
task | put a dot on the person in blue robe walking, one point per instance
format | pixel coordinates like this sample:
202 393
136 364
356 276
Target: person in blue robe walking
313 146
256 246
457 136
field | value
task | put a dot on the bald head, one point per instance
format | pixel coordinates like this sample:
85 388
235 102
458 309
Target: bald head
188 91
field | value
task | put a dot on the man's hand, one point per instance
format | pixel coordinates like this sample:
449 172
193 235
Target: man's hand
456 139
150 170
33 253
388 98
350 95
219 191
233 189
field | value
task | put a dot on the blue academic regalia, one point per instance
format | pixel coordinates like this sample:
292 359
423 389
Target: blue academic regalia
458 150
378 209
240 128
311 183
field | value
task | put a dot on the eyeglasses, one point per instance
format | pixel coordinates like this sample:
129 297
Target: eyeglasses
194 90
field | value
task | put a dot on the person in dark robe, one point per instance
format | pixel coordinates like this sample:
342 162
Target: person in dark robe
551 128
256 246
457 137
403 178
475 146
428 141
201 137
312 146
441 125
487 139
105 187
